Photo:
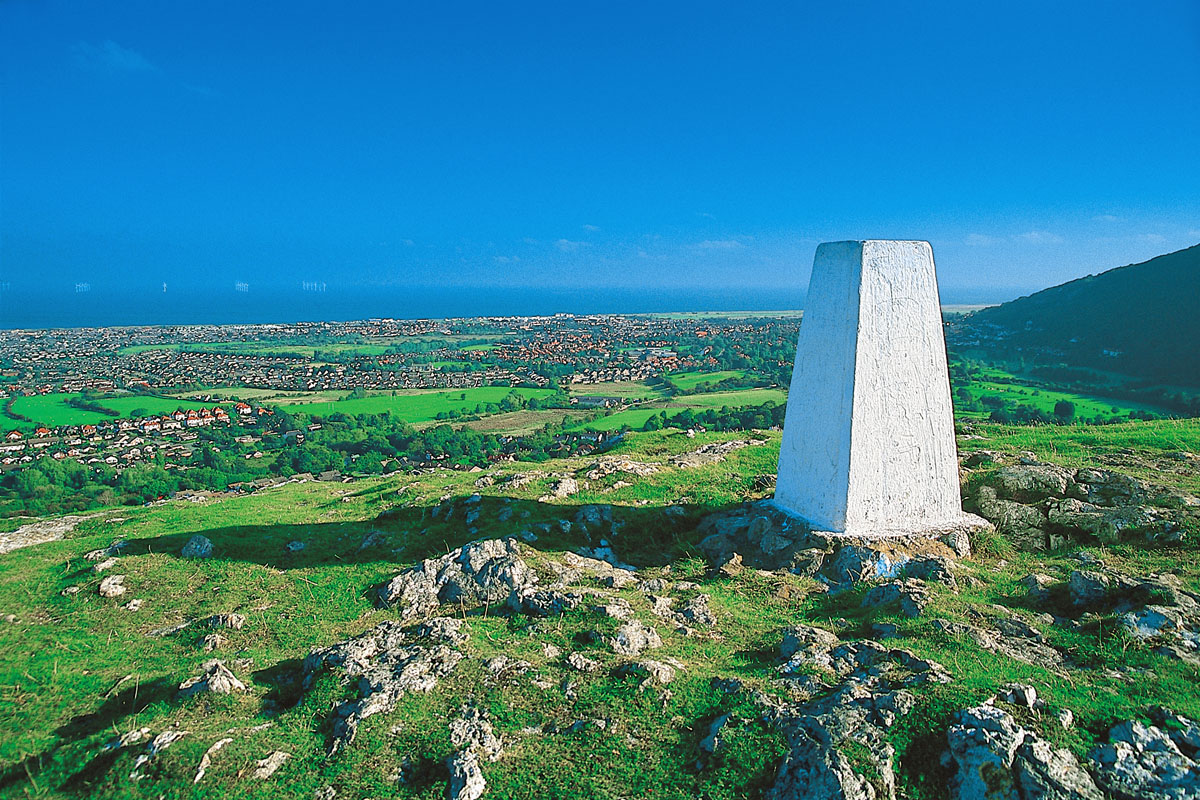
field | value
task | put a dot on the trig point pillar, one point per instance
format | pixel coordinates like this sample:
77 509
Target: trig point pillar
868 443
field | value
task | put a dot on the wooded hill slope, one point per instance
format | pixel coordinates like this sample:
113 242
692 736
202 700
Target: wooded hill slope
1141 320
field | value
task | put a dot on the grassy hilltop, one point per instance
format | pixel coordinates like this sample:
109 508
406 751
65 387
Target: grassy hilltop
78 671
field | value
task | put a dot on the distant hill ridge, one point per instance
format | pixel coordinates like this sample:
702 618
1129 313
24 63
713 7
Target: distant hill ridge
1141 320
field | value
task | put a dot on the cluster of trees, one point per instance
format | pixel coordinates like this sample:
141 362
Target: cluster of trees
767 415
86 401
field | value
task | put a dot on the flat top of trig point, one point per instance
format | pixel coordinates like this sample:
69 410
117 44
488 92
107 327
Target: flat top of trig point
878 241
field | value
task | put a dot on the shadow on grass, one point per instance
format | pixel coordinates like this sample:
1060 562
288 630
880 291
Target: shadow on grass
642 537
129 701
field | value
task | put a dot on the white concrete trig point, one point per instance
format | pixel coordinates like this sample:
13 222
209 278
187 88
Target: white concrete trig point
868 443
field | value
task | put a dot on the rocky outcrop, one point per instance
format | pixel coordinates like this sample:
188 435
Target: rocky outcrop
760 535
472 735
385 663
837 745
1038 506
488 571
997 759
1140 762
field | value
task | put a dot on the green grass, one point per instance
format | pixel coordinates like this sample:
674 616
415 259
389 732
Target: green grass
421 406
626 390
75 671
732 399
636 417
687 381
999 383
51 410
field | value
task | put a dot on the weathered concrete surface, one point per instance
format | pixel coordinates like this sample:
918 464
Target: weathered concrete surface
868 446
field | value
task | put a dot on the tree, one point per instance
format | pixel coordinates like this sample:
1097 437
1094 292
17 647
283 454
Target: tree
1064 410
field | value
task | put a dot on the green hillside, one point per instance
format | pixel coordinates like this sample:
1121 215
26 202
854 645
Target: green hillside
1141 320
545 701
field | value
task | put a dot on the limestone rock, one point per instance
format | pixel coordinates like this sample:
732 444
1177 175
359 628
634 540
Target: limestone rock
487 571
214 677
911 594
449 630
385 665
1030 483
471 730
1141 762
112 586
582 663
652 671
197 547
1024 526
932 569
997 759
633 637
696 611
266 767
466 778
1038 586
1152 622
1088 588
232 620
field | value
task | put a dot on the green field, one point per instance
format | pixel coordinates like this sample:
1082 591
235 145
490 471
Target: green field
995 382
274 397
687 381
265 348
636 417
626 390
51 410
733 399
420 406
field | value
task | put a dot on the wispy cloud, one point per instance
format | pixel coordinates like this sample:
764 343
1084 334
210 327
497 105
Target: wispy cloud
1151 238
1109 218
1040 237
720 244
108 56
980 240
1194 234
591 228
705 214
507 259
568 246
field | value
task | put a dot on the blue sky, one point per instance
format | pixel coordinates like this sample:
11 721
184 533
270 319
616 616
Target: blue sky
592 144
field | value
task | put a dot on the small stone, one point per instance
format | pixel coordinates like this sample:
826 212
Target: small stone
215 677
1019 695
550 651
107 563
197 547
112 586
655 671
582 663
294 547
233 621
633 637
265 767
212 641
134 604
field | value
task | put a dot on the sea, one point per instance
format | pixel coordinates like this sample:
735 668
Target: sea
100 306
